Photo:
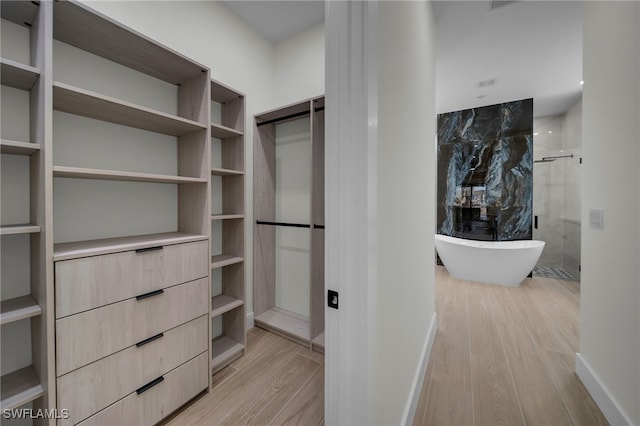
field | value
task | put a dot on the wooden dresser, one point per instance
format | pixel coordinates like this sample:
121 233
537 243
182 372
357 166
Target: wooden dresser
132 332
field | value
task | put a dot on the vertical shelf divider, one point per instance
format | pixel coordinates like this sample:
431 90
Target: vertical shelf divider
231 344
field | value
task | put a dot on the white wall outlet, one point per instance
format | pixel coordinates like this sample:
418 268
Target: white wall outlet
596 218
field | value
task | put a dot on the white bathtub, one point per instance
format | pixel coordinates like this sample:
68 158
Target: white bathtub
493 262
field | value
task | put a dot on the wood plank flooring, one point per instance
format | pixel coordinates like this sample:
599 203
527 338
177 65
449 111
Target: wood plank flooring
502 356
505 356
277 382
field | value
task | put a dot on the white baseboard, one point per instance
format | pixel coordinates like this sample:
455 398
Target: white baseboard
250 323
600 394
418 380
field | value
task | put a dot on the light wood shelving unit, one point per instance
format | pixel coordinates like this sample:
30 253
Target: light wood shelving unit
303 329
227 304
189 126
33 383
80 27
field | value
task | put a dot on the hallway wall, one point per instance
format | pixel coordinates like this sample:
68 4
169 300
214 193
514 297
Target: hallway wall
610 290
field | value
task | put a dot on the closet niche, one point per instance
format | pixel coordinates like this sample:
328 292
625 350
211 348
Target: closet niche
289 229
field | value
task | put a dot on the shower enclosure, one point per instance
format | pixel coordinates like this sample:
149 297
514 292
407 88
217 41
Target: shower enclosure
556 193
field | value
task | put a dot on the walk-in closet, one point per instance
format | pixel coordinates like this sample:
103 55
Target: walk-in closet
289 221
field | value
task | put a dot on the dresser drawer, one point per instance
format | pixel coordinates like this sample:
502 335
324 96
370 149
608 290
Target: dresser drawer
152 405
91 335
93 387
91 282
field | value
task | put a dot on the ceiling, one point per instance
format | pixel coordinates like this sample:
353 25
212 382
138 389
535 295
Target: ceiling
523 49
276 20
487 51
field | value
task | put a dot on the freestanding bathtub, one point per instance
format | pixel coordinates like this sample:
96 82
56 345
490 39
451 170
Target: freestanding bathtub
493 262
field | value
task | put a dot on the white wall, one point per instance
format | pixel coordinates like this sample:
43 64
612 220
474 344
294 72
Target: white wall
293 205
299 66
380 183
404 291
610 290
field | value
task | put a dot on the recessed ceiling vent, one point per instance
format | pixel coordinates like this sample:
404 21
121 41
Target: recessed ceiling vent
497 3
486 83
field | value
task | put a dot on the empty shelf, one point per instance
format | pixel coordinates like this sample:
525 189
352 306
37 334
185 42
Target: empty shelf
19 387
223 132
19 229
20 12
223 303
82 173
224 349
79 26
18 75
20 148
19 308
85 103
226 172
224 260
284 322
226 216
222 94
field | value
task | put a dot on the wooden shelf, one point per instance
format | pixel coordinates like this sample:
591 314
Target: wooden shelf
82 27
19 12
284 322
223 132
226 172
18 308
82 173
19 148
222 93
18 75
74 250
226 216
224 349
224 260
223 303
85 103
19 387
19 229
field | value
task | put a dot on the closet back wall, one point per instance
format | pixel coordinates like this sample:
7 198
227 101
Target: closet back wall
293 204
211 34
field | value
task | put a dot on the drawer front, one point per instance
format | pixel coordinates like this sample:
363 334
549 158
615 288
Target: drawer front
91 388
89 336
91 282
149 407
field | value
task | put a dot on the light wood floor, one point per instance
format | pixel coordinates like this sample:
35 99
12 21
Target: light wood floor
277 382
502 356
505 356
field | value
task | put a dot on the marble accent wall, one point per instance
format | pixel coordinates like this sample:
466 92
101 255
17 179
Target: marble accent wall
485 166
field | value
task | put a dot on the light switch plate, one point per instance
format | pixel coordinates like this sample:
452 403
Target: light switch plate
596 218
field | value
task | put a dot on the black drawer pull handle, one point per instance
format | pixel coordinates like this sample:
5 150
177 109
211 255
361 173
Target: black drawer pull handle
149 340
150 294
150 385
142 250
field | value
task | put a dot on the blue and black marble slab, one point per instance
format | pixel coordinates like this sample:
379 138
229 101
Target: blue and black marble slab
485 172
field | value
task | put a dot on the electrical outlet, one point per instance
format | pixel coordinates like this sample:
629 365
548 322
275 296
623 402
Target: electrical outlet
332 299
596 218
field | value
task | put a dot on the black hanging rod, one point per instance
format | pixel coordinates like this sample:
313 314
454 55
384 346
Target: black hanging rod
288 117
292 225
